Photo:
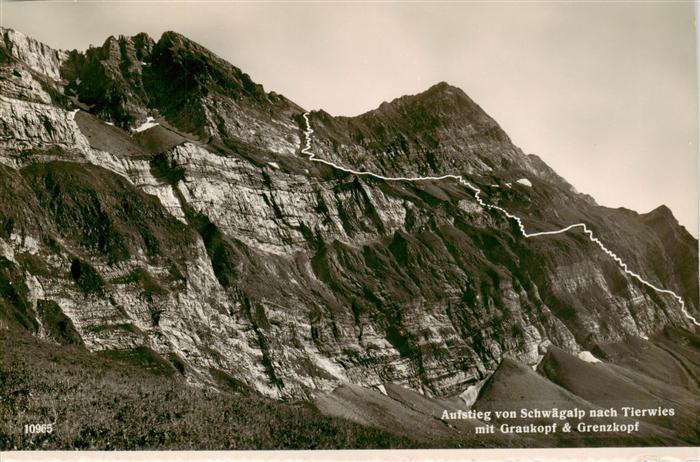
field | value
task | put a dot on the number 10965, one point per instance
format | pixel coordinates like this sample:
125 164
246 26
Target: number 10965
38 428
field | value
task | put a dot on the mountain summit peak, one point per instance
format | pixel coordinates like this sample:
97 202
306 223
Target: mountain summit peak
441 105
444 87
440 98
437 92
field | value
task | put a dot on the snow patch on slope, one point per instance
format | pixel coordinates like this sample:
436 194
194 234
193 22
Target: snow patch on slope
470 395
588 357
149 123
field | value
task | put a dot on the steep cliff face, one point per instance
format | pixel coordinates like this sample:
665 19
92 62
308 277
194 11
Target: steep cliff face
37 56
129 78
209 239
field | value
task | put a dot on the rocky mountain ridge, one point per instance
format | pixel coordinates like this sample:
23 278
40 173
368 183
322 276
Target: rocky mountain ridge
208 241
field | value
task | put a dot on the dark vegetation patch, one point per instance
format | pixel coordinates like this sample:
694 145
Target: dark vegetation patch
105 213
175 274
228 382
7 225
222 253
165 169
35 264
58 326
144 358
177 362
86 277
19 211
14 302
150 286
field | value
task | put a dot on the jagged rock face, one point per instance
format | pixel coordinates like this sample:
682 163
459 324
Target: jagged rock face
34 54
437 132
441 130
211 240
128 78
109 79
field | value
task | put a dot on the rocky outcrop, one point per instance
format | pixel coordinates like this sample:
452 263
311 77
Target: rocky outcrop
128 79
210 240
35 55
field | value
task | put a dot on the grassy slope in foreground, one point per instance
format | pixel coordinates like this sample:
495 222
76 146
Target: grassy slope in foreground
100 402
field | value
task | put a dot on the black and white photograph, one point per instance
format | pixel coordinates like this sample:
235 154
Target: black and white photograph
252 226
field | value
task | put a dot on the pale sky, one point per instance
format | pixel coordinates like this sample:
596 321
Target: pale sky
604 92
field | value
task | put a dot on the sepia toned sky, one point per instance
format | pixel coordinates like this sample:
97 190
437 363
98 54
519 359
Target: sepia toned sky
604 92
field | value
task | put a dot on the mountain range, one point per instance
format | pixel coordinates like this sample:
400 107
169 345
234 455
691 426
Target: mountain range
156 212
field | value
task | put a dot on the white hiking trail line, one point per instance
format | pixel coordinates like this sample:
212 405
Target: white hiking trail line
306 150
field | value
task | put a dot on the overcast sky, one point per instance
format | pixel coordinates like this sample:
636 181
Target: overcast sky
605 93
